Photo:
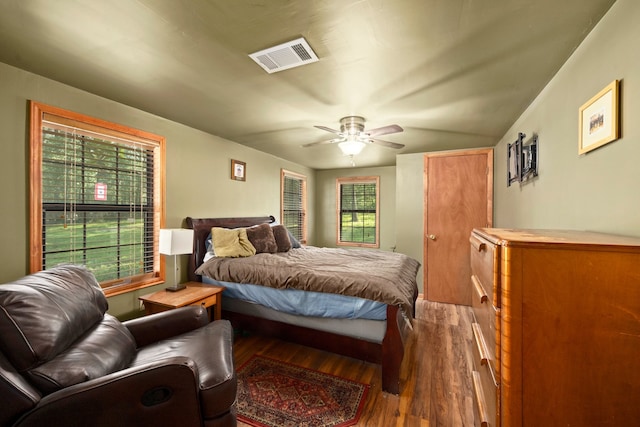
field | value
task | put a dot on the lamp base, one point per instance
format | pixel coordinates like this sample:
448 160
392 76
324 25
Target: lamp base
176 288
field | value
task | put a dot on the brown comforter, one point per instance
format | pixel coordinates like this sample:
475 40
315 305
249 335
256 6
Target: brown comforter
387 277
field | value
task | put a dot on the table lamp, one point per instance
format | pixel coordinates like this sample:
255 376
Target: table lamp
176 241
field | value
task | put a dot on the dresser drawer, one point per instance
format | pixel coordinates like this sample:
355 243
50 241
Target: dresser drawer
487 317
481 353
485 393
485 384
483 265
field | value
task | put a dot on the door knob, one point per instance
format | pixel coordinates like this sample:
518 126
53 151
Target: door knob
432 236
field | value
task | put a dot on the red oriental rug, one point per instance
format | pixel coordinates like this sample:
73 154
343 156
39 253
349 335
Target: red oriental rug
272 393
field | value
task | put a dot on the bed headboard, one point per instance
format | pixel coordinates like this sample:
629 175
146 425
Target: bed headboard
201 229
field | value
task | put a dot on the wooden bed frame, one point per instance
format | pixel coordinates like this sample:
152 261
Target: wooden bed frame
388 354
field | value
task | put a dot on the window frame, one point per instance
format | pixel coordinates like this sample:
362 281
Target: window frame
38 111
357 180
303 179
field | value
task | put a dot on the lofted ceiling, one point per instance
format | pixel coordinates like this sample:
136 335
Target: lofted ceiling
453 73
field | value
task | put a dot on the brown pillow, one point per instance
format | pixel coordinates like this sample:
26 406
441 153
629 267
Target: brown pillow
261 237
282 238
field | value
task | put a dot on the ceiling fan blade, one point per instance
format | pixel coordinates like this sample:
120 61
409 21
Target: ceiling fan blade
329 129
385 130
328 141
387 144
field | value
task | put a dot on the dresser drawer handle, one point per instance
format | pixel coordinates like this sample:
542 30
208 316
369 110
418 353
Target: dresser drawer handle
483 414
479 290
482 347
477 244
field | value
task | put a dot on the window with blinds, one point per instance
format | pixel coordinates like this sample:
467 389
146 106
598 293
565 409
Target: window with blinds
293 203
97 193
358 219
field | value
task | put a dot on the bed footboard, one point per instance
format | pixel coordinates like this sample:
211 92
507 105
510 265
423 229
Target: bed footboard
393 350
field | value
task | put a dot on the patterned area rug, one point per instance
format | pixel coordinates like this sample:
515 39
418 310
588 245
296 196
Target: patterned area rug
272 393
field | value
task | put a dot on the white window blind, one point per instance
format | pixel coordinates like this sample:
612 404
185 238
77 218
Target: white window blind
293 204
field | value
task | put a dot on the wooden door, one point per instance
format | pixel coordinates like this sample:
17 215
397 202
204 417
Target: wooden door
458 197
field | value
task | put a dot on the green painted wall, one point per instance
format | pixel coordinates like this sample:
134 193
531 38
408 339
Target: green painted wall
598 190
197 170
326 204
410 208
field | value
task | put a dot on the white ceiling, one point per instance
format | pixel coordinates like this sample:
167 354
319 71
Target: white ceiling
453 73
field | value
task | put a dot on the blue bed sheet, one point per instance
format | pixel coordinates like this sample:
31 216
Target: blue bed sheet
305 303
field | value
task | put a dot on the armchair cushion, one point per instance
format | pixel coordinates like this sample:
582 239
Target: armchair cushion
107 347
44 313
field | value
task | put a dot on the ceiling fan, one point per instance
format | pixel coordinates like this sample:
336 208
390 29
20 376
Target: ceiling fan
352 136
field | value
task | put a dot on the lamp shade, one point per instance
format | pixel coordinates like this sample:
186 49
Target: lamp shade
176 241
351 146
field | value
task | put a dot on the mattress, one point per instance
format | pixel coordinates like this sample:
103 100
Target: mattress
304 303
362 329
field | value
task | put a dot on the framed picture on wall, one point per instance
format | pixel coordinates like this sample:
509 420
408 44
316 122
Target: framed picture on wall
599 121
238 170
514 152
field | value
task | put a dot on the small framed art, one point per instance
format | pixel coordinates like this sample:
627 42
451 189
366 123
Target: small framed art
514 152
238 170
599 121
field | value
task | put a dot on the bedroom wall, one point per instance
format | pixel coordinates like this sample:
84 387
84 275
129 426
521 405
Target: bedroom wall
598 190
197 170
410 208
326 204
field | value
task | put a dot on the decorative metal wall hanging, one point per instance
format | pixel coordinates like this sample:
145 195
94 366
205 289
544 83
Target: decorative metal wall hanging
514 151
529 159
522 159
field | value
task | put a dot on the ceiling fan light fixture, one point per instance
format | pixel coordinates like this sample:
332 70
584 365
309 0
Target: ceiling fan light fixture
351 147
352 136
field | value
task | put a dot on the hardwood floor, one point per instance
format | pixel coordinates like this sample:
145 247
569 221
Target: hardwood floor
436 381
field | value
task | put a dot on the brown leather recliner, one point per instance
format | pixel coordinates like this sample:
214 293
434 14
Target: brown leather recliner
65 362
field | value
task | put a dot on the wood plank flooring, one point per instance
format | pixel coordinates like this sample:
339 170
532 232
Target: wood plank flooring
436 385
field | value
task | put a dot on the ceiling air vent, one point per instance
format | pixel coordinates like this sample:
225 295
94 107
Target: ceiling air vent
284 56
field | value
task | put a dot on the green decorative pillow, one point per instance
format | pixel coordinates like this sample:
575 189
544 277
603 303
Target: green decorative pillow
231 242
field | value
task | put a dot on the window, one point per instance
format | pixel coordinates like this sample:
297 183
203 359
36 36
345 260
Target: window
357 200
97 193
293 203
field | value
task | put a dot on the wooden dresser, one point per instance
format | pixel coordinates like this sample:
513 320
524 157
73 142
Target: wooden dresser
556 328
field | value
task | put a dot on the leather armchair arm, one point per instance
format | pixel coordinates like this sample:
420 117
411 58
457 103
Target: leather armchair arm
163 393
167 324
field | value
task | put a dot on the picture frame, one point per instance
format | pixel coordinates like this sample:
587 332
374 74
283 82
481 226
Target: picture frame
514 165
529 159
238 170
599 119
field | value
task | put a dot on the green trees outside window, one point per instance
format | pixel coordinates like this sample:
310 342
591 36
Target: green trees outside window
97 191
358 211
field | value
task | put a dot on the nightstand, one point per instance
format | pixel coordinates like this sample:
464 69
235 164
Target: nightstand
195 293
